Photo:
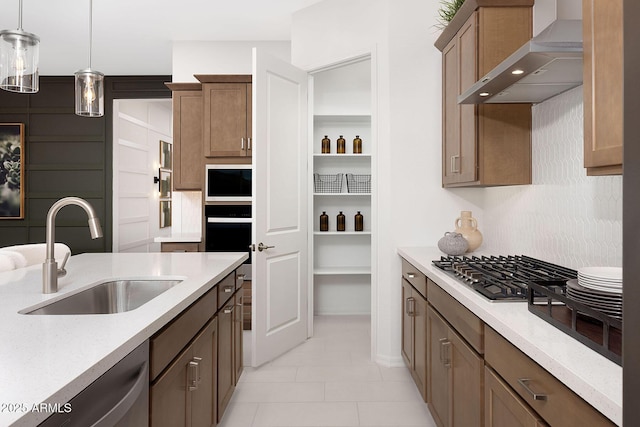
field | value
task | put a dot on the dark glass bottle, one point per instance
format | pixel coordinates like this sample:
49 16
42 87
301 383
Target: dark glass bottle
326 145
341 222
359 222
342 145
324 222
357 145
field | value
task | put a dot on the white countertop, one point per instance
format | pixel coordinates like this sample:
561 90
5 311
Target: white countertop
179 238
590 375
51 358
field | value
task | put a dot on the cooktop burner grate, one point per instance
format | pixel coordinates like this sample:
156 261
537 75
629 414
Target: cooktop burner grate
505 278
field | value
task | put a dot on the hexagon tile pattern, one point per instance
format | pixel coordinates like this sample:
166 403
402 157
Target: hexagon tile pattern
565 216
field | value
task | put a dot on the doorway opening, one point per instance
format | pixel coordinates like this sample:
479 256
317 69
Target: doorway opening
142 151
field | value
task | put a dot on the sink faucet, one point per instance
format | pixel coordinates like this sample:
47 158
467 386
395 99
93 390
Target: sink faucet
50 271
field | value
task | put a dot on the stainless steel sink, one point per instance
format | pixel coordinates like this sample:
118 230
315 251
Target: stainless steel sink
114 296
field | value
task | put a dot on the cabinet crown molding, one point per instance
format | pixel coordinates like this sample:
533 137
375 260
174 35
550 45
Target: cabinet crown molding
465 12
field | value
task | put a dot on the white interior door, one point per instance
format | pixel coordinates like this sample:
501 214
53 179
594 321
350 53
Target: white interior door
280 281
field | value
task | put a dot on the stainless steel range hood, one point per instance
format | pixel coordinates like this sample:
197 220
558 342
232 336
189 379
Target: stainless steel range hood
547 65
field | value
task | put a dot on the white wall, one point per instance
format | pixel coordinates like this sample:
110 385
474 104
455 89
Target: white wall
220 57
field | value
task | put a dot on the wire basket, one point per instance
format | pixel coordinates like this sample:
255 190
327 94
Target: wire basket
358 183
331 183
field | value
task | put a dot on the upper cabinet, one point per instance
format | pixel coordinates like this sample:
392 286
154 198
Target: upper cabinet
227 115
602 39
188 162
484 145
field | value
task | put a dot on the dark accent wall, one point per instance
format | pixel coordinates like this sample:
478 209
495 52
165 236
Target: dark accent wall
68 155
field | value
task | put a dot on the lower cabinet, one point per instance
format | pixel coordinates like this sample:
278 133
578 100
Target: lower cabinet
414 335
179 247
551 400
503 407
196 360
184 392
474 376
229 340
225 357
455 375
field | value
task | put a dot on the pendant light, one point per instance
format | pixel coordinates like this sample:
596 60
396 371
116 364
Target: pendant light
89 84
19 52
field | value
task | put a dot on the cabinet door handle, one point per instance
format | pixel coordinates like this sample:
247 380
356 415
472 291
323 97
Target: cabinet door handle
524 382
249 143
242 143
454 169
445 346
194 374
410 306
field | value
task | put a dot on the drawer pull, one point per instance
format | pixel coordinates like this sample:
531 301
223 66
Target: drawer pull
194 374
411 275
410 306
524 382
228 289
445 345
228 309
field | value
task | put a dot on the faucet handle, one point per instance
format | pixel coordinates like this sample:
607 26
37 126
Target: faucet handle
61 271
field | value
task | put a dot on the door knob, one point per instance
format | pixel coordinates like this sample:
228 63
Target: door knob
263 247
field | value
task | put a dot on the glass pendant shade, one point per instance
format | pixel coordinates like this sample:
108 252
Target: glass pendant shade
89 84
19 54
89 93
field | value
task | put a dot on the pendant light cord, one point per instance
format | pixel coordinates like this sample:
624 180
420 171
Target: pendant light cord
90 28
20 16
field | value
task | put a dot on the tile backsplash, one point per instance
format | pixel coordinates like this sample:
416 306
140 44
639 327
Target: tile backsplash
565 216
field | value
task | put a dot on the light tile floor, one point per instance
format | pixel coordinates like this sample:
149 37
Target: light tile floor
329 380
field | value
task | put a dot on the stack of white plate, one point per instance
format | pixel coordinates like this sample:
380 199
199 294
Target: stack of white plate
599 288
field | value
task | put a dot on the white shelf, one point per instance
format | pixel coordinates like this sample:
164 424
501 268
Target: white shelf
332 271
341 194
342 118
342 233
333 156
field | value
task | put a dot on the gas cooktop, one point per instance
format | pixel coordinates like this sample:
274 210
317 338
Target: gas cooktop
505 278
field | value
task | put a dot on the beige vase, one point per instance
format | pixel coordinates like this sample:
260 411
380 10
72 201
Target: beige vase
467 225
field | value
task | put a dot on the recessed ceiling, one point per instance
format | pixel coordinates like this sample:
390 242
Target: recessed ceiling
135 36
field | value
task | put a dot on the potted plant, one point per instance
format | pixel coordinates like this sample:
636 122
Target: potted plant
447 11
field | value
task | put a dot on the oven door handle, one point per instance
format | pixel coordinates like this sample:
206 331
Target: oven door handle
211 220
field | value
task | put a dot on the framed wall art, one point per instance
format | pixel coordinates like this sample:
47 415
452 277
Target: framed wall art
165 213
166 155
165 184
12 171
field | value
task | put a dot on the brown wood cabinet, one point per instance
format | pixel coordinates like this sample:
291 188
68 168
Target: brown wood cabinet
455 375
414 327
196 360
184 394
546 395
602 86
484 145
188 159
474 376
179 247
227 115
229 339
503 408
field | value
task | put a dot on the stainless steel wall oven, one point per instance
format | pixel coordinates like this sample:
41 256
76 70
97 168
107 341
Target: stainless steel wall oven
228 229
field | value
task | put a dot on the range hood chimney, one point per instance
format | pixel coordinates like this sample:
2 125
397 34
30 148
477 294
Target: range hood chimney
547 65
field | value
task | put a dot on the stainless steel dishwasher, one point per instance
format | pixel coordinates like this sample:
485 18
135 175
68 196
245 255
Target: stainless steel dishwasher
120 397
